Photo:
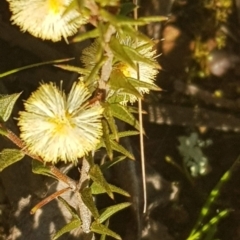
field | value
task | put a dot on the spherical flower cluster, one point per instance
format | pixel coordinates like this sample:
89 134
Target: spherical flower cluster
46 19
60 127
147 72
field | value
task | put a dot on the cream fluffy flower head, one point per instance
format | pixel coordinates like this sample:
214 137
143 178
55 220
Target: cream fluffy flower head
59 127
147 72
45 19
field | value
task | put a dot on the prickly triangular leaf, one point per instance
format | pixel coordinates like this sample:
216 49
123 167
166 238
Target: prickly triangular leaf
71 7
125 134
87 198
103 236
106 139
86 35
112 137
73 69
123 20
97 176
119 82
120 54
39 168
110 119
143 84
119 148
9 156
109 211
109 164
149 19
127 8
70 208
109 17
121 112
101 229
138 57
92 76
7 103
98 189
75 223
130 30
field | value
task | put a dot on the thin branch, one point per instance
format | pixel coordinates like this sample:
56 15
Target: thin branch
85 214
48 199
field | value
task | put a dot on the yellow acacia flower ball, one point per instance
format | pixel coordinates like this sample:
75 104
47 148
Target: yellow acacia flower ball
46 19
60 127
147 71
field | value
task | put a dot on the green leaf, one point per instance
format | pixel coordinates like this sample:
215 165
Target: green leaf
142 84
125 134
122 134
71 7
39 168
109 211
133 109
121 112
87 198
98 189
131 31
108 17
126 8
92 76
123 20
75 223
70 208
103 236
203 216
106 139
101 229
109 164
110 119
120 53
84 36
213 222
73 69
149 19
9 156
119 82
34 65
135 55
97 176
7 103
145 45
119 148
